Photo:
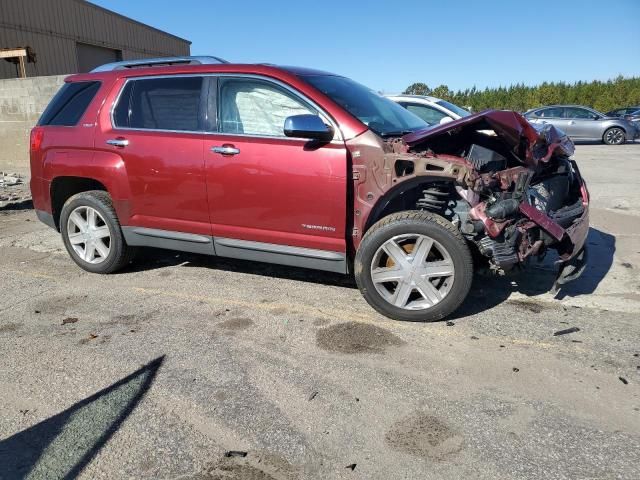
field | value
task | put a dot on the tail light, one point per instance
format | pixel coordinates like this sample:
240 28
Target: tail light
37 134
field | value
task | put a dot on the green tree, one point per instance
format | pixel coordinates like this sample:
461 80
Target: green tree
418 89
603 96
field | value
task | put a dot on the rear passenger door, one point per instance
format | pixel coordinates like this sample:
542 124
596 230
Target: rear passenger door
273 191
157 128
554 116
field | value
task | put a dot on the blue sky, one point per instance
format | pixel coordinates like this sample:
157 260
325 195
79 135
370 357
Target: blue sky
389 45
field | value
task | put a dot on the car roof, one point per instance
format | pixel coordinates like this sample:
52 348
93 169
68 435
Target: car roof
255 68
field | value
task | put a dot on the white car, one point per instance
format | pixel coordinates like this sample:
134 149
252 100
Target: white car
432 110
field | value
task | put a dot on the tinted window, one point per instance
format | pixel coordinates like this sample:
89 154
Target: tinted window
385 117
69 104
160 104
428 114
572 112
550 112
255 107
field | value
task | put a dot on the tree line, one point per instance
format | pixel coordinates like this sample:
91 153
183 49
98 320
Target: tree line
603 96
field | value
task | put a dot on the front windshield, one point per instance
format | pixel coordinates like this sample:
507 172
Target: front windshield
383 116
453 108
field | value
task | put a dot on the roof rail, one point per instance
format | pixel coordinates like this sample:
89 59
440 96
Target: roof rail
161 61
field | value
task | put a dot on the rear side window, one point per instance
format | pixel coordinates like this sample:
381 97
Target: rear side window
554 112
160 104
69 104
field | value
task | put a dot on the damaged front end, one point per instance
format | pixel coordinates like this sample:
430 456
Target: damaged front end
511 189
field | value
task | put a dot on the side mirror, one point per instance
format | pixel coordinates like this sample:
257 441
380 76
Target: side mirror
307 126
446 119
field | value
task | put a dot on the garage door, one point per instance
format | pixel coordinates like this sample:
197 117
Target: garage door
91 56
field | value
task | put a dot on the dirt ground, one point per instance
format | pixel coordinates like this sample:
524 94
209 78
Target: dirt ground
192 367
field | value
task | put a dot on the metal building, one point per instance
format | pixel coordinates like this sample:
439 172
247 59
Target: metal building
71 36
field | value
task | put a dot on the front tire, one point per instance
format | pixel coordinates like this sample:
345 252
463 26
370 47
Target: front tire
91 233
414 266
614 136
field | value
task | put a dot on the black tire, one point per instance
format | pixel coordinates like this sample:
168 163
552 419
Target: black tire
418 222
614 136
120 253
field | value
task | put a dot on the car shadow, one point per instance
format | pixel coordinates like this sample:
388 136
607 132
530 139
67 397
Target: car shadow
63 445
152 258
488 289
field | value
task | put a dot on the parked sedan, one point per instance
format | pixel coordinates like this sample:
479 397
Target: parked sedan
583 123
432 110
630 113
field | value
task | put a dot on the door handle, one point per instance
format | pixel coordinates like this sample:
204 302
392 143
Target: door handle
226 150
571 122
118 142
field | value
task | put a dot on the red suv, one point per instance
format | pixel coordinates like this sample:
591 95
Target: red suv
303 168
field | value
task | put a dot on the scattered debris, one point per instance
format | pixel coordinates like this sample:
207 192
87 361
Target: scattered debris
516 369
566 331
14 191
501 346
626 265
473 337
450 323
235 453
69 320
623 380
313 395
24 412
352 466
36 311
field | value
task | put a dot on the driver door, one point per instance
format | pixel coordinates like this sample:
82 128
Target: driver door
267 190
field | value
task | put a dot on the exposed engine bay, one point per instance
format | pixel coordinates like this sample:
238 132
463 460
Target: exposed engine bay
511 189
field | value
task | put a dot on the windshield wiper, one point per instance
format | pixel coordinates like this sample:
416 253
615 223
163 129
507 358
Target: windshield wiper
399 133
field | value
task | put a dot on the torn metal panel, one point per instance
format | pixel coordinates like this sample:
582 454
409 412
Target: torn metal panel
512 191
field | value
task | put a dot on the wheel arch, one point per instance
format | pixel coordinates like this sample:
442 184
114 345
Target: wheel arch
64 187
395 199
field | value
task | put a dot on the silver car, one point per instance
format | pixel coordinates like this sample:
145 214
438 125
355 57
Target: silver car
583 123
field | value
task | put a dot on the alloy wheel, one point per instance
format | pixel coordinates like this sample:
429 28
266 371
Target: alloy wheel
614 136
412 271
89 235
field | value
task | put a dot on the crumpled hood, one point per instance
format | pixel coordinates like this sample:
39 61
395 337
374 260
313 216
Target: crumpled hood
530 144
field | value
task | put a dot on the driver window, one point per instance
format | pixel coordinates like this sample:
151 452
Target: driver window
578 113
256 107
428 114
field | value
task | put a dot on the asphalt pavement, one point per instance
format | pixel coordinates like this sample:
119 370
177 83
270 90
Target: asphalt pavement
190 367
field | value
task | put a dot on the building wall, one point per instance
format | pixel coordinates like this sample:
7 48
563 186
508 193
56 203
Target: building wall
22 101
53 27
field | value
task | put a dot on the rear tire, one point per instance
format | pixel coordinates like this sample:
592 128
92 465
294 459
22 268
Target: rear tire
614 136
406 283
91 233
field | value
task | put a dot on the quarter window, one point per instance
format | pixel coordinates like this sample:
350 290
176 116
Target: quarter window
160 104
69 104
256 107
